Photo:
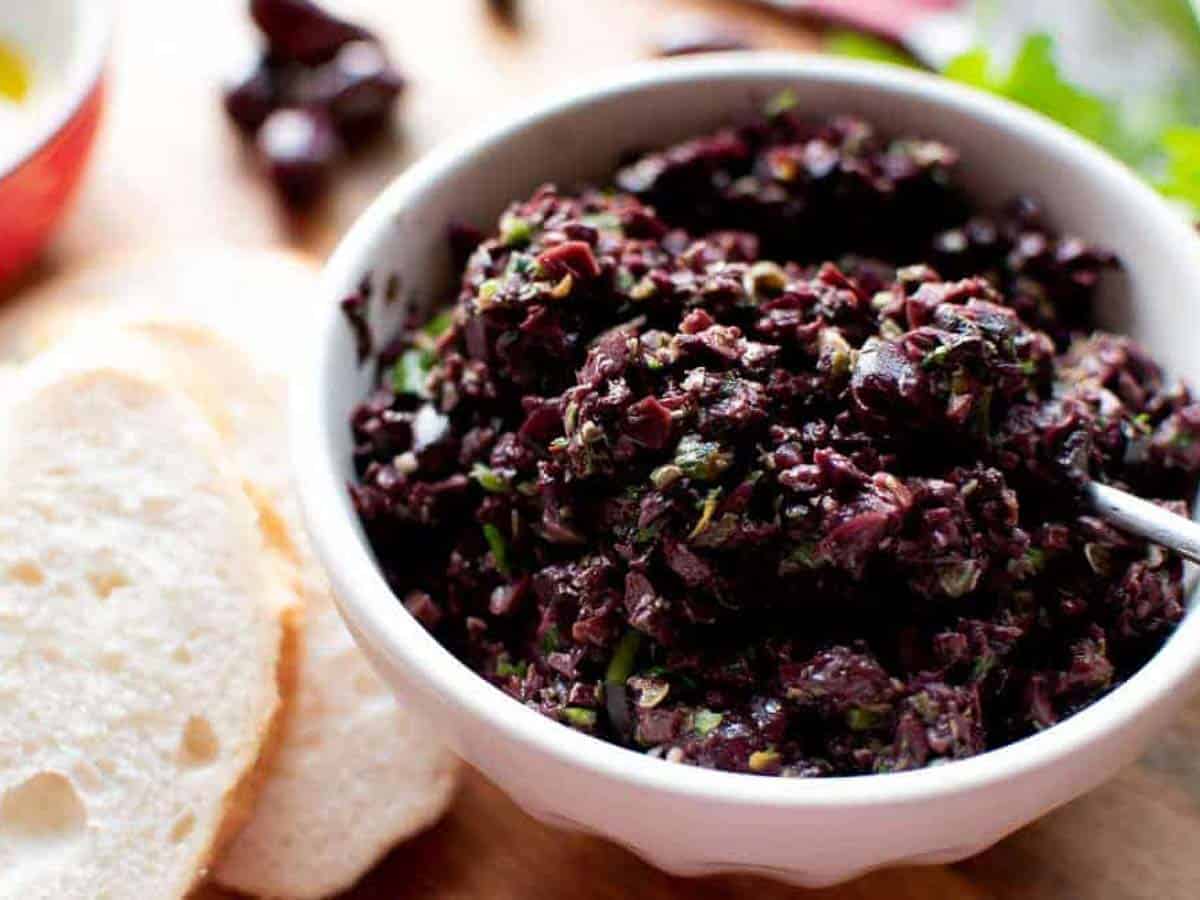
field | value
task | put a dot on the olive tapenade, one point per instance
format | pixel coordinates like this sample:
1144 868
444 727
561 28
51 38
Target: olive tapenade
768 457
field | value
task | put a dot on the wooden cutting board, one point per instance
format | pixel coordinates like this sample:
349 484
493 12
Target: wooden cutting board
170 173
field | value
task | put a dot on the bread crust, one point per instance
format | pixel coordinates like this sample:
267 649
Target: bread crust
239 802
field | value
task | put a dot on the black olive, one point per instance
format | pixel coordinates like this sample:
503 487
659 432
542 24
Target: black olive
301 31
298 147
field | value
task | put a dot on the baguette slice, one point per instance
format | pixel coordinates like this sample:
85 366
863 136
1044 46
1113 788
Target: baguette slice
142 636
355 771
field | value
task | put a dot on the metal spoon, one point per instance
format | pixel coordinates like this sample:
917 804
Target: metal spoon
1145 519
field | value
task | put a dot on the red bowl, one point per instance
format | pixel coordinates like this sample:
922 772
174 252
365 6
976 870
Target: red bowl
39 180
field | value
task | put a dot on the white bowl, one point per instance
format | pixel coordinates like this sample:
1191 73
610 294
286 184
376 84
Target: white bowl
689 820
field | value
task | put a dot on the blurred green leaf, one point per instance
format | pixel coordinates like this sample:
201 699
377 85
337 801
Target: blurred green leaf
1034 80
973 67
499 547
1149 135
857 45
1175 16
1182 178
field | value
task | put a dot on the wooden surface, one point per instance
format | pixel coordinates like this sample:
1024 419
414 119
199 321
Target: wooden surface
169 171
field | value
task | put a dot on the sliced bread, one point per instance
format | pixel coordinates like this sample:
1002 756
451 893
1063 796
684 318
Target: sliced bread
355 774
142 636
355 771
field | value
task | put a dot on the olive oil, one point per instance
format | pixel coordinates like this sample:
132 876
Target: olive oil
14 74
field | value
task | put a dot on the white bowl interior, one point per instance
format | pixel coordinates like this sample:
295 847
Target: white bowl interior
64 42
46 33
1005 151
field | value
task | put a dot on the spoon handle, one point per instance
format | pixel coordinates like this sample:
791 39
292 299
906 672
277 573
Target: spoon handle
1146 519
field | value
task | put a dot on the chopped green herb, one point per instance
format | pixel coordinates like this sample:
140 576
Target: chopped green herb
499 548
505 667
936 358
785 101
487 293
602 221
865 718
439 324
411 371
550 639
705 720
523 265
489 479
515 231
644 289
707 510
578 717
701 459
982 666
620 667
801 557
959 578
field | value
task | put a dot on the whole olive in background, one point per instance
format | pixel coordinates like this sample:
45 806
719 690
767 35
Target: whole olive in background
320 86
251 98
299 148
301 31
359 87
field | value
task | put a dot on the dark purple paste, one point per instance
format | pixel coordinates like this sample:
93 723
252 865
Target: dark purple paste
768 458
